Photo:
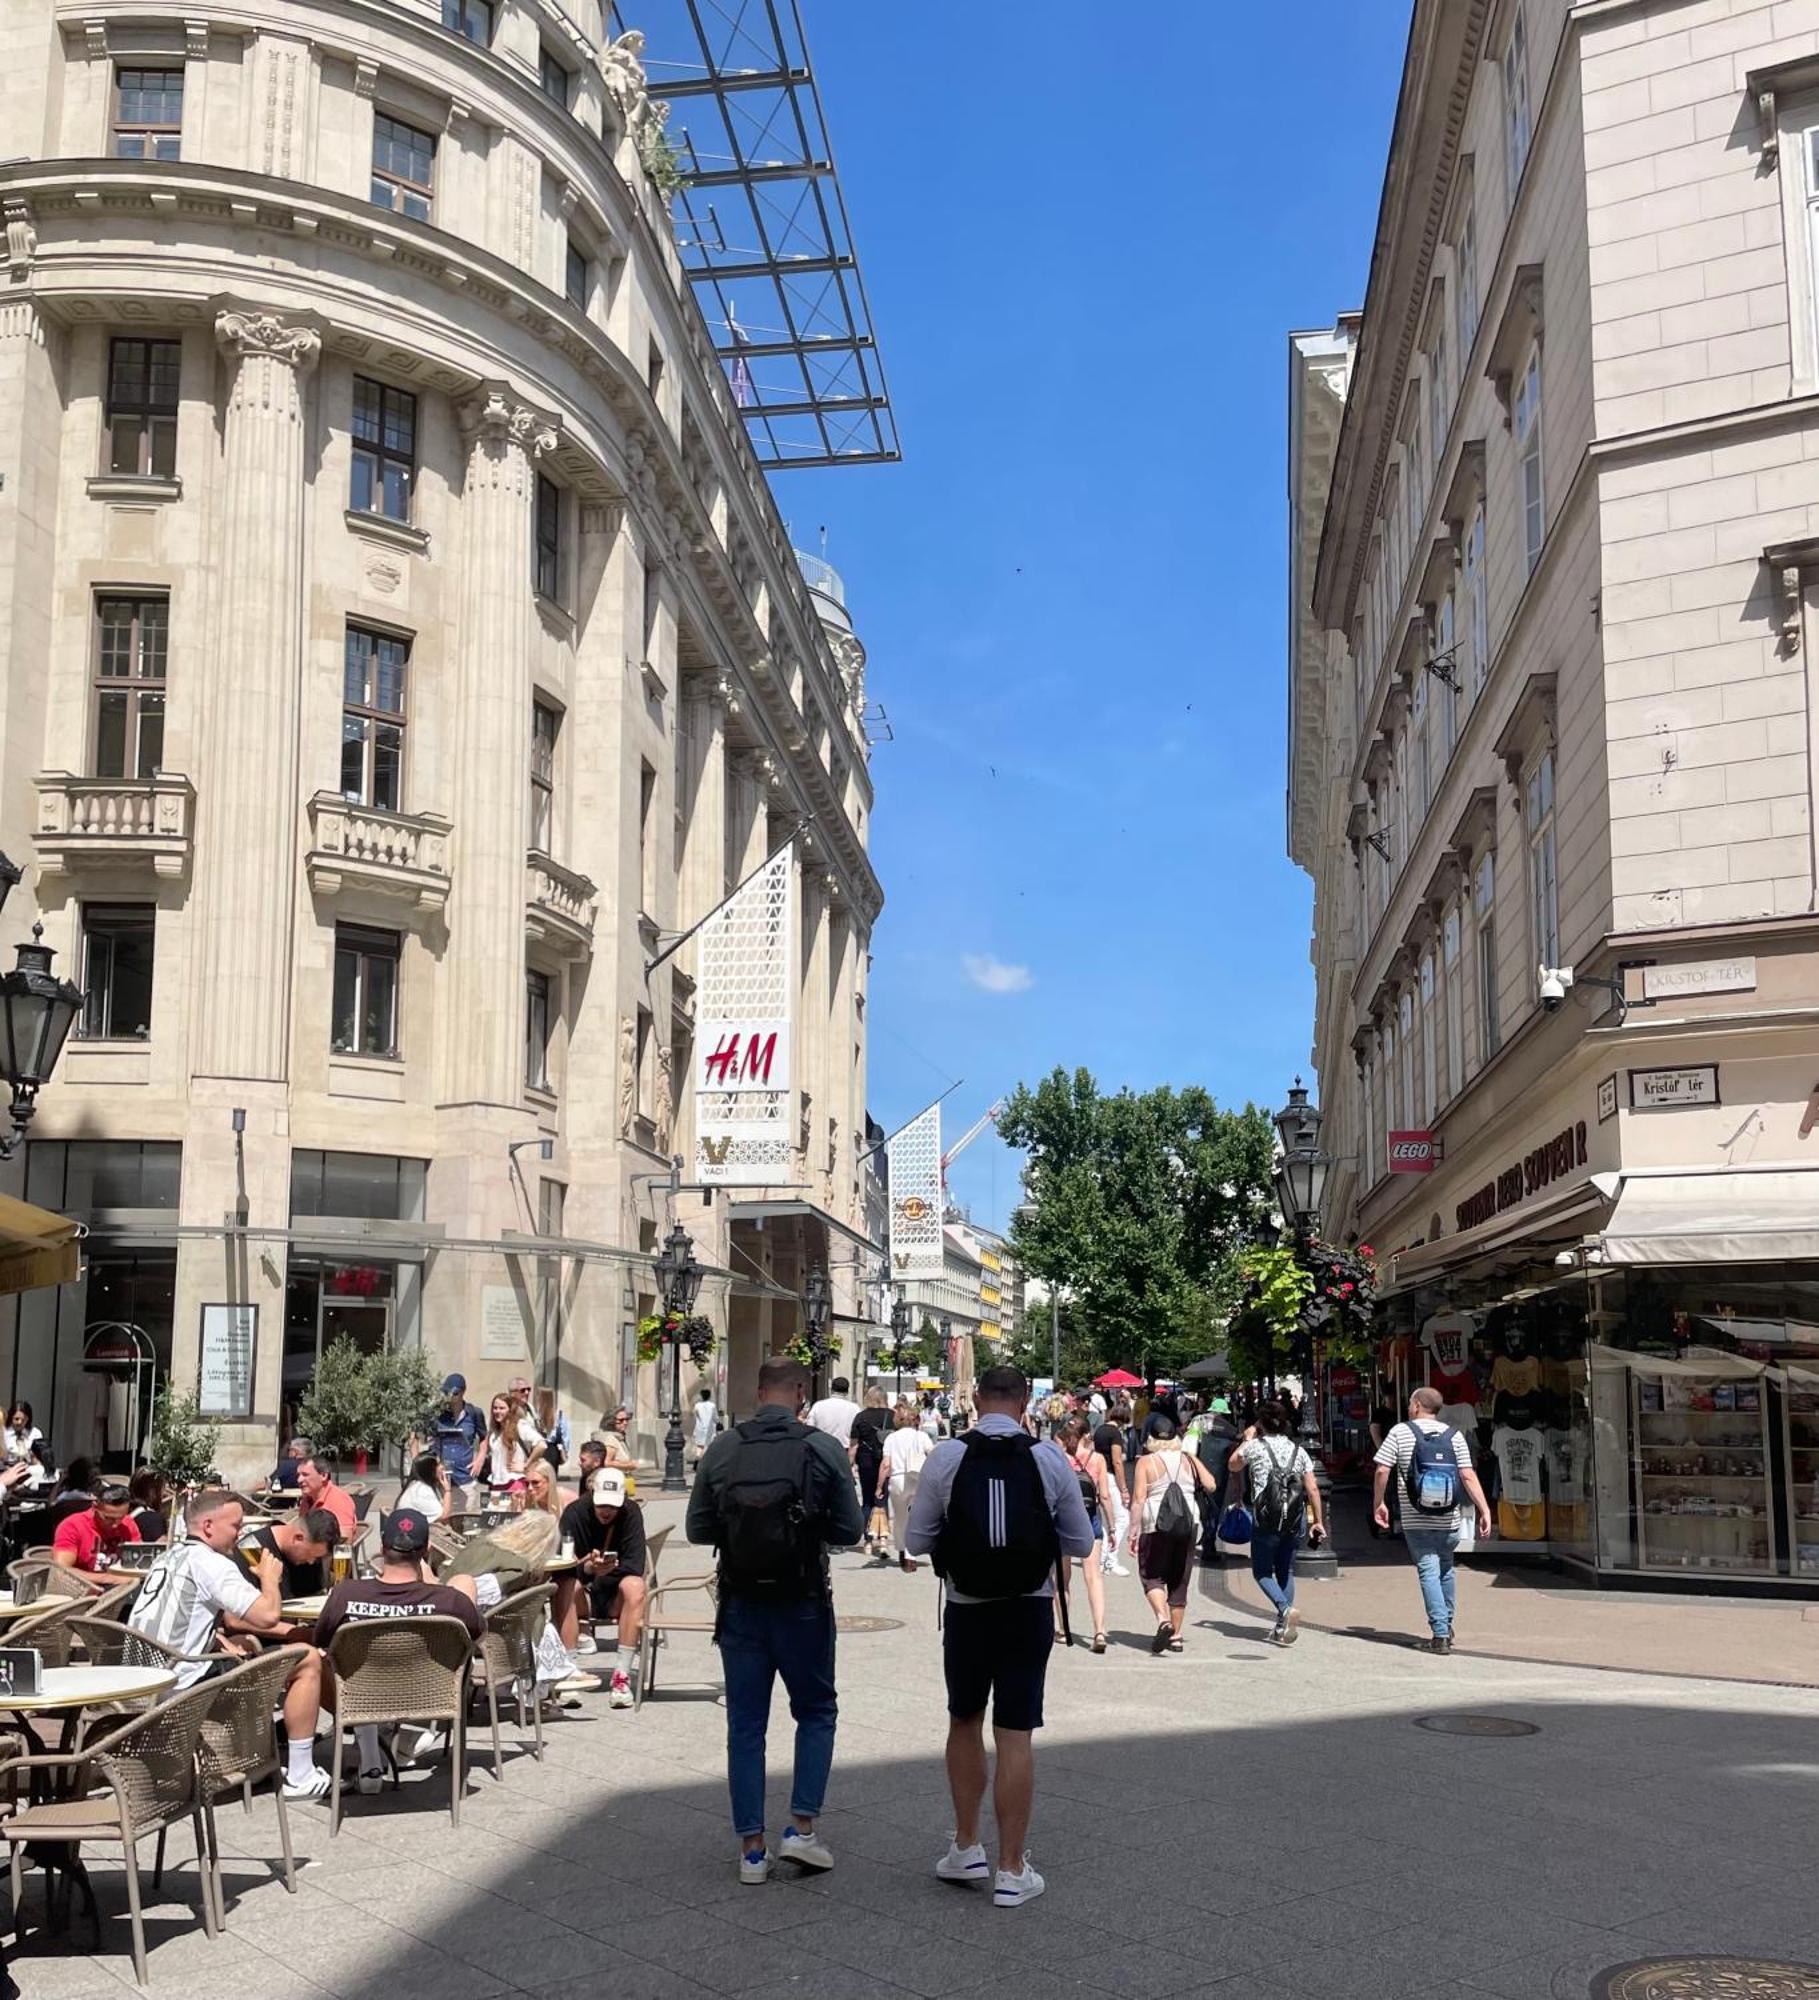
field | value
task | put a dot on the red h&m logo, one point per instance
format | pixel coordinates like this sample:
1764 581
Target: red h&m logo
738 1060
1413 1152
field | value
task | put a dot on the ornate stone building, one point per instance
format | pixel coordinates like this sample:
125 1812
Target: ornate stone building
399 645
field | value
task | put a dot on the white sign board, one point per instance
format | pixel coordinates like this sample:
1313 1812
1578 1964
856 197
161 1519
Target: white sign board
228 1337
744 1103
502 1328
913 1160
1669 1089
1711 975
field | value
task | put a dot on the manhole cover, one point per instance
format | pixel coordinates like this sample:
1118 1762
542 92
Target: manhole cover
1700 1978
868 1624
1476 1725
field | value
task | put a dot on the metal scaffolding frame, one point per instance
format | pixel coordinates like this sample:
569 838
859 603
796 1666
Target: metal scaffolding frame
763 230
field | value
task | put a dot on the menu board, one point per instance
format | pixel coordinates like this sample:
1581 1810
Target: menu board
229 1337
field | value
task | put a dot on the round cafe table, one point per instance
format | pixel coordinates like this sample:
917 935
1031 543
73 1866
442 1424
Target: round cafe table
10 1609
301 1608
64 1689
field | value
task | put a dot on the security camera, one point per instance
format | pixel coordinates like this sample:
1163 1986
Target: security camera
1555 980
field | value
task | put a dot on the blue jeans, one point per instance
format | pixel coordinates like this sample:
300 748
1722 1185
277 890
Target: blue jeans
759 1641
1273 1565
1431 1551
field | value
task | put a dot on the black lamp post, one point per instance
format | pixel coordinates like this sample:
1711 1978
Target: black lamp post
814 1317
678 1280
947 1344
1300 1187
37 1012
900 1327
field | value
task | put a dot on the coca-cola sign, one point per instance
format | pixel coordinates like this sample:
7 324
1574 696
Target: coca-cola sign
1413 1152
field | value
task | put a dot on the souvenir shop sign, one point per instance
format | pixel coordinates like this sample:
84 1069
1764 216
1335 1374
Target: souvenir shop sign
1669 1089
1549 1162
1413 1152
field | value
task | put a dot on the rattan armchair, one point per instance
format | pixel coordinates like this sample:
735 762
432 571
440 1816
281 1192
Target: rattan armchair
660 1619
50 1631
137 1781
507 1654
445 1544
38 1576
402 1670
238 1749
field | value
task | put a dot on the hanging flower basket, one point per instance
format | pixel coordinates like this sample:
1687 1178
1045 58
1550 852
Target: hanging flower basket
692 1330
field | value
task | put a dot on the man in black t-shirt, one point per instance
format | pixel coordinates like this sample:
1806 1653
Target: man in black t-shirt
606 1530
303 1544
1108 1442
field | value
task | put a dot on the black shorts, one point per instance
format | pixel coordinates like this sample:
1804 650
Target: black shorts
999 1653
603 1593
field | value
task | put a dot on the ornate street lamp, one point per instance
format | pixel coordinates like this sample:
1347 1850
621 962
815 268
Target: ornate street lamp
678 1280
947 1344
900 1328
1302 1170
37 1012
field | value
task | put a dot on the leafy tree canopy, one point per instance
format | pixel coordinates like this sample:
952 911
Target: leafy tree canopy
1138 1205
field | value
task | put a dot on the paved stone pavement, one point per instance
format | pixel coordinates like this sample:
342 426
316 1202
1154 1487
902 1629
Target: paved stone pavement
1239 1820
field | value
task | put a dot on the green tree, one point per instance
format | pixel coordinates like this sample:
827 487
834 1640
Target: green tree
931 1349
182 1443
1139 1205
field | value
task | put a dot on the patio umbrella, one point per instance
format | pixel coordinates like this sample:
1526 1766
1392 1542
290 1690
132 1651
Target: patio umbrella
1215 1368
1117 1378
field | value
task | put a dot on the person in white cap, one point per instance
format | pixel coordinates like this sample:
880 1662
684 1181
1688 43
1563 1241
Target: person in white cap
605 1528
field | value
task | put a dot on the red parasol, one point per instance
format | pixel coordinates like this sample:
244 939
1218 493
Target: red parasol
1118 1378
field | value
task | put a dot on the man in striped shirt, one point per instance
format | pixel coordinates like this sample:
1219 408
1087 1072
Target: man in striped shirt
1432 1538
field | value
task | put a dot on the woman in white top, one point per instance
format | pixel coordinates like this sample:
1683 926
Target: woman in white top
427 1488
1165 1562
511 1444
20 1434
906 1451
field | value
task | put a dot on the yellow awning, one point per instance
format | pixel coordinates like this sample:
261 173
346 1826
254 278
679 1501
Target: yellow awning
36 1247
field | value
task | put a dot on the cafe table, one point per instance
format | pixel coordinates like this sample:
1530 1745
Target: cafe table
302 1609
11 1608
67 1691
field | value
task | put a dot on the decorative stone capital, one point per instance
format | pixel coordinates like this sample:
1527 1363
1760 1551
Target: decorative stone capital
246 335
21 234
496 420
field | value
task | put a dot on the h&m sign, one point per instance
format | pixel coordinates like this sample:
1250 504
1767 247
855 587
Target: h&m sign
1539 1168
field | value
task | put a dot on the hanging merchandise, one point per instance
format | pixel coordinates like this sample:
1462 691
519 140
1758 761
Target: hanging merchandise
1447 1338
1518 1448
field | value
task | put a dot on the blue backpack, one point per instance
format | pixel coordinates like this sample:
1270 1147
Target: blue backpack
1433 1473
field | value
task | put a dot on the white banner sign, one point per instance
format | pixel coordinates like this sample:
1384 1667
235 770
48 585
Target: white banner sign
228 1336
915 1180
743 1125
503 1334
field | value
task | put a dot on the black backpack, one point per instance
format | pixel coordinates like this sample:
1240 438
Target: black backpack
770 1541
998 1539
1176 1520
1280 1498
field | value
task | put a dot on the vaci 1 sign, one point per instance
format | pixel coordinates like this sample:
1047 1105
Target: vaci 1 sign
1551 1161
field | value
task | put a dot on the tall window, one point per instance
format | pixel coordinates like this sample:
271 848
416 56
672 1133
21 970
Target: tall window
1517 126
385 449
1367 1118
472 18
1439 390
1392 1109
372 718
1526 416
1484 925
1477 605
148 114
549 538
1421 774
1453 999
366 991
1543 861
142 381
117 970
1445 639
552 78
132 642
1415 477
536 1030
574 274
647 846
404 167
545 722
1465 281
1430 1038
1405 1053
645 1071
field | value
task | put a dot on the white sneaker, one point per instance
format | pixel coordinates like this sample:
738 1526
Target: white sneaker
311 1785
754 1867
621 1693
1116 1568
808 1850
584 1643
371 1783
963 1864
1009 1890
1288 1628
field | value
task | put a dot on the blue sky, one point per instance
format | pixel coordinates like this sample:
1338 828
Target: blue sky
1086 233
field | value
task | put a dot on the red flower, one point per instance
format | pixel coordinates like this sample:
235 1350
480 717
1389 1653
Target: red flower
1365 1250
1345 1291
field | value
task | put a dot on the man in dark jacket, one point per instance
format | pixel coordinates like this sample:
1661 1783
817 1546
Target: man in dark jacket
782 1622
1218 1440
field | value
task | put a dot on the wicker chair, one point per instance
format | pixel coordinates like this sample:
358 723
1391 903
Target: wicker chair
52 1631
239 1748
137 1781
402 1670
653 1555
362 1497
507 1654
38 1576
659 1619
445 1544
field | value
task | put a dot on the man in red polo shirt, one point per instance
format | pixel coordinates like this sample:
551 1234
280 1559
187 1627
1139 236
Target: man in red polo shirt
88 1542
316 1488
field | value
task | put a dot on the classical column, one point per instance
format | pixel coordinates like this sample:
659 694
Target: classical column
490 687
247 784
701 777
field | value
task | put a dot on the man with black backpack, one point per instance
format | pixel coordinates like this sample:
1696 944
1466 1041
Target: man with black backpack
1433 1467
1283 1496
772 1495
997 1511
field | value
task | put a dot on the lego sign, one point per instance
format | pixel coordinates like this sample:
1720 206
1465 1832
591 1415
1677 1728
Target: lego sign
1413 1152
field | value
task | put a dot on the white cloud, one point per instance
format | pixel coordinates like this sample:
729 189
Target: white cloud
992 975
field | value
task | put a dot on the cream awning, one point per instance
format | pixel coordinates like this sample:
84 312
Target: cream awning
36 1247
1730 1216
